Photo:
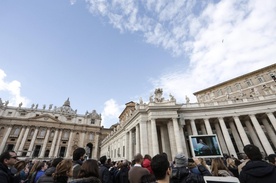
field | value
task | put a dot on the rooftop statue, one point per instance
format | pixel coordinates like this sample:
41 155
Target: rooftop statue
158 95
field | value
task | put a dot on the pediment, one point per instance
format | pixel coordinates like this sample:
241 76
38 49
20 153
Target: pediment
44 117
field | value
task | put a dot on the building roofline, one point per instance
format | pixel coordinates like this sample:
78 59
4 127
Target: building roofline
241 76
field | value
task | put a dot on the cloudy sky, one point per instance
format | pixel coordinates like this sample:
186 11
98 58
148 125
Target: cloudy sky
104 53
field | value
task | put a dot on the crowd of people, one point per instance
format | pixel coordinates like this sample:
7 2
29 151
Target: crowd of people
143 169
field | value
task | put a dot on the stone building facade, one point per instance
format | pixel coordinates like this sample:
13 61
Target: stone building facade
243 113
48 133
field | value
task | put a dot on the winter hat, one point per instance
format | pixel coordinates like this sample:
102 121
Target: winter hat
180 160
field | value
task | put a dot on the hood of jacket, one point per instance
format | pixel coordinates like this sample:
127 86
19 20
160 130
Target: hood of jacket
180 172
258 168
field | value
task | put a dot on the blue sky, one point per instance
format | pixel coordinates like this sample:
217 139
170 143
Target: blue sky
102 54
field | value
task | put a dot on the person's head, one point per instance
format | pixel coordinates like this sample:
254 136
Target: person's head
63 168
8 158
230 162
253 152
20 165
147 156
148 178
56 161
138 158
160 167
41 166
78 154
180 160
89 169
103 159
272 159
217 164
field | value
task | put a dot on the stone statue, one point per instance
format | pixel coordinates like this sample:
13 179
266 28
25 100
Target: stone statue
32 106
252 92
172 97
158 95
151 98
20 105
76 111
55 108
187 99
50 106
141 101
6 103
44 106
86 113
36 106
1 103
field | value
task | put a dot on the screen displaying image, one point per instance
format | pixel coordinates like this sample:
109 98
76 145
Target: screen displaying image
205 146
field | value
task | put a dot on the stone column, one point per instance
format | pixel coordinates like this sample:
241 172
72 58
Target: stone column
96 146
172 139
2 147
82 137
53 144
193 125
144 138
208 126
253 135
202 128
165 141
149 137
183 140
241 130
58 143
236 136
221 139
127 147
68 150
227 137
137 139
19 140
155 146
44 144
272 119
130 146
22 143
30 150
270 131
261 134
177 136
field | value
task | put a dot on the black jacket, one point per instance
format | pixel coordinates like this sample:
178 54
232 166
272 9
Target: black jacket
5 174
258 171
105 175
47 177
183 175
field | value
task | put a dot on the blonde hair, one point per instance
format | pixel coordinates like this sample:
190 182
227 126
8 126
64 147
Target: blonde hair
231 163
217 164
63 168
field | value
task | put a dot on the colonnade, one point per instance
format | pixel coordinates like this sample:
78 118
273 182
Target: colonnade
234 132
51 142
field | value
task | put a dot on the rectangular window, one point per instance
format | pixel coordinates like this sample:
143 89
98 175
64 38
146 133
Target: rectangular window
228 89
249 82
22 114
238 86
9 113
260 79
92 121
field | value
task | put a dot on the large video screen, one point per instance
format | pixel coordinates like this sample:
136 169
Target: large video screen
205 146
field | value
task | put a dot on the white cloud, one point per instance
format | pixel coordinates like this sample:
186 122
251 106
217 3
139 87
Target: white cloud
12 90
111 113
221 39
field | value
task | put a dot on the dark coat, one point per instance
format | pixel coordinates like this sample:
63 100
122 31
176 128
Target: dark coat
122 176
105 175
5 174
47 177
258 172
183 175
